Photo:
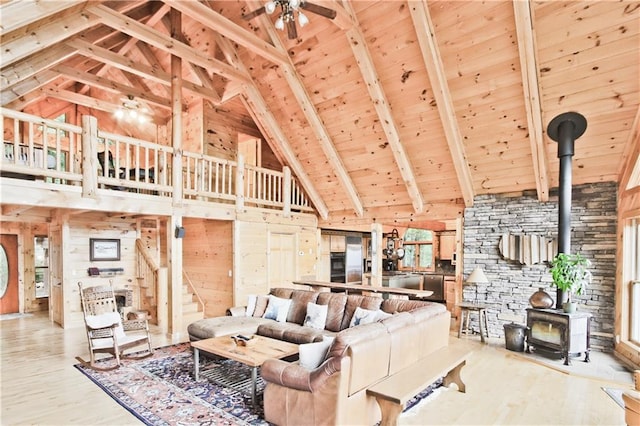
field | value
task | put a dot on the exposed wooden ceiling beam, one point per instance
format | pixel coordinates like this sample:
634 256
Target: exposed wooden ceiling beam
431 56
229 29
153 19
35 63
25 87
14 209
161 41
262 115
149 73
387 121
89 102
313 117
529 69
19 46
111 86
200 73
629 168
17 14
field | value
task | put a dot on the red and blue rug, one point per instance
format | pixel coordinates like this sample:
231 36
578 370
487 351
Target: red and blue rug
160 390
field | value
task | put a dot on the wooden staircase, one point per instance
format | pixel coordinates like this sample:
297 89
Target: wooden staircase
192 310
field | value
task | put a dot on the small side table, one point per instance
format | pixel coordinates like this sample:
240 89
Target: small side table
465 312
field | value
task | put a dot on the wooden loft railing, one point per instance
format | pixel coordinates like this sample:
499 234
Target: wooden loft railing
97 161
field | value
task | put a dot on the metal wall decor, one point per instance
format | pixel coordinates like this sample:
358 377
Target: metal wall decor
528 249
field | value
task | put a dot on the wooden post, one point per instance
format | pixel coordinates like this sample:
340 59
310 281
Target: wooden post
175 244
162 314
89 156
240 183
376 254
176 110
286 191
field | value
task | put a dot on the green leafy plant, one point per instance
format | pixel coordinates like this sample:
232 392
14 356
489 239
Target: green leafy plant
571 273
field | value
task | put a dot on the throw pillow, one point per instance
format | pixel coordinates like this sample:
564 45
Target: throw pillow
316 316
277 309
363 316
261 305
251 305
313 354
381 315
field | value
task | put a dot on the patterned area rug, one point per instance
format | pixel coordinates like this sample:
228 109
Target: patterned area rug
160 390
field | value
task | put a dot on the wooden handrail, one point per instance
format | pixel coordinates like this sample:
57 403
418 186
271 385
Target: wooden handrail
145 254
193 288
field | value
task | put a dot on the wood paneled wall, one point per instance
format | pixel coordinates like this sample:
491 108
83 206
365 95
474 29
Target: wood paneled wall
207 255
81 228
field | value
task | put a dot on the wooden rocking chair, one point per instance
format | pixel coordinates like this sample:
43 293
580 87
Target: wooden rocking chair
106 331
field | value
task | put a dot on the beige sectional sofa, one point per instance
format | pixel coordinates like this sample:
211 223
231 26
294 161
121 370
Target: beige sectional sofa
360 355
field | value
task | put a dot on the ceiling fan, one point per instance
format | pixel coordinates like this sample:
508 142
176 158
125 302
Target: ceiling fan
287 17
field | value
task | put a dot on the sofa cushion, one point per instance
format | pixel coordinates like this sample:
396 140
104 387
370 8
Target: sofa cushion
336 303
363 316
313 354
277 309
316 316
261 305
299 301
252 299
355 301
223 326
290 332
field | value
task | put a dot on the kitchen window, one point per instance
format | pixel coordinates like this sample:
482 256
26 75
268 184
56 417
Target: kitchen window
418 251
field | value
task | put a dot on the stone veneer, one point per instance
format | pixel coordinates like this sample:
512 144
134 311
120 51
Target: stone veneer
593 233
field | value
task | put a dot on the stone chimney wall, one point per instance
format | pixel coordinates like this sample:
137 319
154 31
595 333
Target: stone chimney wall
593 234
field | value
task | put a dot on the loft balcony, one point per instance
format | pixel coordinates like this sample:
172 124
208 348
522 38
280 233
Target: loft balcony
53 164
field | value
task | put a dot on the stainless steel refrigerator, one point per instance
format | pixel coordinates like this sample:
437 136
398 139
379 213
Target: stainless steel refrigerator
353 260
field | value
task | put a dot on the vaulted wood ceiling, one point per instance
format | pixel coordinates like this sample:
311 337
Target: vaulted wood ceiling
394 111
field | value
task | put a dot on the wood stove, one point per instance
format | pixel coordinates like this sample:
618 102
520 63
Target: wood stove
559 332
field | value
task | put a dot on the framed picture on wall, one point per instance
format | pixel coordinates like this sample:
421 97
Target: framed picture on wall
104 249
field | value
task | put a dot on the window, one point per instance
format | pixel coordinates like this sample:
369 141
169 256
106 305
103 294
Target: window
418 250
633 255
62 118
41 261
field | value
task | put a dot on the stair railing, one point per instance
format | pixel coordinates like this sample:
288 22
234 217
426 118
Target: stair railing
154 279
193 289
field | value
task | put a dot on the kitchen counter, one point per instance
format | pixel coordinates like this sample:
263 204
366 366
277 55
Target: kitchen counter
402 280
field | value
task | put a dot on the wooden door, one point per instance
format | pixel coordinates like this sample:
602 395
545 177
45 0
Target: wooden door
282 260
9 303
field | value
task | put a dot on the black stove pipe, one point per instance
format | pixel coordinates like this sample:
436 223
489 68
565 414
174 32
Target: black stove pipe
565 129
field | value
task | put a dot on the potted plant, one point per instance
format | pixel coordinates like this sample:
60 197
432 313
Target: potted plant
571 274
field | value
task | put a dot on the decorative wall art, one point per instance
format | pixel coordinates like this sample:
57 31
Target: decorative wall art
104 249
528 249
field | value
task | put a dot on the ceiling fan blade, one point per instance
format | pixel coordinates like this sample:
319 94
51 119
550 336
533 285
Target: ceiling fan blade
318 10
253 14
291 29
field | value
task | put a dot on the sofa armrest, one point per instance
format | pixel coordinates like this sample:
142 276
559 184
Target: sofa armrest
237 311
292 375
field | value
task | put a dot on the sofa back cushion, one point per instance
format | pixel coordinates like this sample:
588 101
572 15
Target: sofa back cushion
405 337
403 305
335 312
354 301
298 309
368 347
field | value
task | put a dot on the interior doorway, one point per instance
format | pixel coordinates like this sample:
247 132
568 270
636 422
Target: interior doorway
9 295
282 259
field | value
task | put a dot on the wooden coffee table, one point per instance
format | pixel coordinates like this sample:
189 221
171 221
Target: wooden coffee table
253 355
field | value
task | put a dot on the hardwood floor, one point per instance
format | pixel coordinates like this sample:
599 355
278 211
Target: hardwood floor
40 386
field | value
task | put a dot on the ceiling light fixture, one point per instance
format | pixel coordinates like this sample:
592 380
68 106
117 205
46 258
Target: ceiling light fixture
132 110
288 11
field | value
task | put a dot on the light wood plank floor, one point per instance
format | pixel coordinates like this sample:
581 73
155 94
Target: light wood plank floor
40 386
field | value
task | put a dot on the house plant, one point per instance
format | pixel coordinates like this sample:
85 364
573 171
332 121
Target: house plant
571 274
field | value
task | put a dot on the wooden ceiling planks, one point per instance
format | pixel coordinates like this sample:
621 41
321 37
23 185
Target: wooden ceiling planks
587 60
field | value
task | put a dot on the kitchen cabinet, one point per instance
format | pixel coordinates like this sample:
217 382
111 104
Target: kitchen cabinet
447 246
338 243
